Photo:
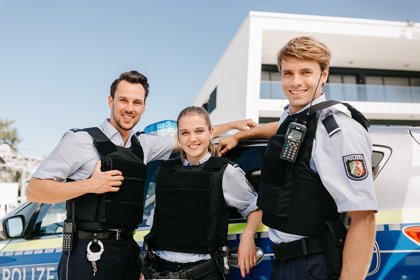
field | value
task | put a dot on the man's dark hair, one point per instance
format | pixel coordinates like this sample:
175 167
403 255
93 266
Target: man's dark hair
133 77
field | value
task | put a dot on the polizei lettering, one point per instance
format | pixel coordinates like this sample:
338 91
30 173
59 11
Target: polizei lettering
353 157
28 273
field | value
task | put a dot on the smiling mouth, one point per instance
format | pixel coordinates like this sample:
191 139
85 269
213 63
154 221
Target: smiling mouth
296 92
127 117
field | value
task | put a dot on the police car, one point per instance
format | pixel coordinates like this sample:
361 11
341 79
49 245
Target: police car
31 235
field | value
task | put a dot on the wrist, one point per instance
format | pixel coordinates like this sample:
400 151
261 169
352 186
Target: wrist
249 234
238 136
85 186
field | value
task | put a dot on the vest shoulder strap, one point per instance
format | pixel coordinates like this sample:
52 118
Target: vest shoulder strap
136 147
355 114
169 165
216 163
100 140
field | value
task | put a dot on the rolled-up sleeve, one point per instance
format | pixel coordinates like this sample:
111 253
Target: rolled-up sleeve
238 192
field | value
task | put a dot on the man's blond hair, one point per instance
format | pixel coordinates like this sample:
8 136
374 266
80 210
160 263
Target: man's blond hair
305 48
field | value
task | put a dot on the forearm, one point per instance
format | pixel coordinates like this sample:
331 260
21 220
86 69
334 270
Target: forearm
252 224
241 125
51 191
247 255
262 131
358 248
222 128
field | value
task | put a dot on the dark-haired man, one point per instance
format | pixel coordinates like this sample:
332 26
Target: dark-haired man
100 173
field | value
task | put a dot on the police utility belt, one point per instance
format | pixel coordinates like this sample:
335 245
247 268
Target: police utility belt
298 248
195 272
110 234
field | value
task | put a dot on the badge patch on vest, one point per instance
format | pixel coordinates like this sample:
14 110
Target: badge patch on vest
355 166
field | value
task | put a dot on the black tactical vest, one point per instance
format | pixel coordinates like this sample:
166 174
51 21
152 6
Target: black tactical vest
122 209
292 196
191 214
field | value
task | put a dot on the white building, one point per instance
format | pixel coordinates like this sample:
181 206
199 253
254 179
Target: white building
15 172
375 66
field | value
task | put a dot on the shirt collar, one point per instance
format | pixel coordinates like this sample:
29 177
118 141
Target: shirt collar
286 108
112 133
201 161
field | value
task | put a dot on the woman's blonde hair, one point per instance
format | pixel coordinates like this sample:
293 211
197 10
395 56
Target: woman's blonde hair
200 111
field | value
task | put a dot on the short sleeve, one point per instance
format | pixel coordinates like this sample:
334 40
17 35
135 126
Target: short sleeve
343 160
156 147
74 157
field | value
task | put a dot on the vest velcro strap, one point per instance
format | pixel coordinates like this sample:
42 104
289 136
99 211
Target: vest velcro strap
298 248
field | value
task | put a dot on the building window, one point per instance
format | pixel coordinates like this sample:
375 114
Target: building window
210 105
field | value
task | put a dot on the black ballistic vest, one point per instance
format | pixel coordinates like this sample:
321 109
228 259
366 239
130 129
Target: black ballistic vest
191 214
292 196
122 209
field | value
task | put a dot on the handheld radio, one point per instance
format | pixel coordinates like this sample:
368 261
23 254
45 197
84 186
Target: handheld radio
68 230
293 139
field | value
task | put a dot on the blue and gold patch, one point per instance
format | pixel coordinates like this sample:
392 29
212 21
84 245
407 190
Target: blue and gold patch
355 166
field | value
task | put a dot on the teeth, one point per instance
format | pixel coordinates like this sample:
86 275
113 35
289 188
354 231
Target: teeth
297 91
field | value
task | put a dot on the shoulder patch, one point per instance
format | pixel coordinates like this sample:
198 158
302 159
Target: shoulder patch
355 166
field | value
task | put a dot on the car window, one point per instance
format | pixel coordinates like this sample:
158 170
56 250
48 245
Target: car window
25 210
50 219
380 156
377 156
149 190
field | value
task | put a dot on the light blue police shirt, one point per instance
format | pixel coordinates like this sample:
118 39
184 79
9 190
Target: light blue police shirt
327 160
238 193
75 156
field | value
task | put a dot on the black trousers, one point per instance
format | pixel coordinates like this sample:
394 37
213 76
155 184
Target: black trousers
120 260
312 267
162 266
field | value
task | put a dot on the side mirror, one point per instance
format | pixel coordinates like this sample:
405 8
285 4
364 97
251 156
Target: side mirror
13 226
233 257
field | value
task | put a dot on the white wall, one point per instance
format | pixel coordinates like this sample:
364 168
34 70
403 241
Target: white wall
229 76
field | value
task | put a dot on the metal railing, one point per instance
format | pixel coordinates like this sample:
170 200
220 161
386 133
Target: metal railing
352 92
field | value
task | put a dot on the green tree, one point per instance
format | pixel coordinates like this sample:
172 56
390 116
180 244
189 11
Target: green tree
9 134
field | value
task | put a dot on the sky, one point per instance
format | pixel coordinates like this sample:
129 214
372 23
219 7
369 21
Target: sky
58 58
